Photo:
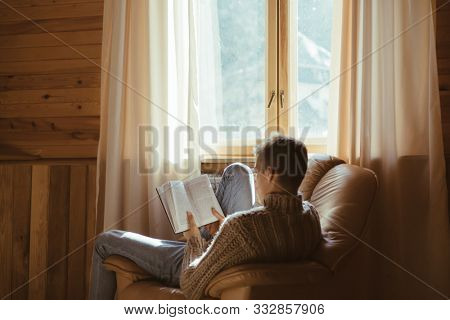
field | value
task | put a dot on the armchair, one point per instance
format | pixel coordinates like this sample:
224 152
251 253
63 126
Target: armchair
343 195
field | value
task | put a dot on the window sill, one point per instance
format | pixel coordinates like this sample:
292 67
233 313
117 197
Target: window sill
217 164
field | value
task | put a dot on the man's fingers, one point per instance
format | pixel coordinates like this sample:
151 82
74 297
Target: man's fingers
217 214
190 219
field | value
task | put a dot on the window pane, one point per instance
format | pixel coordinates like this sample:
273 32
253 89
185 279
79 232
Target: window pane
314 22
232 40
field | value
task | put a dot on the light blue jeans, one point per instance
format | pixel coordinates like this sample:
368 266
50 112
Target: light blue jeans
163 258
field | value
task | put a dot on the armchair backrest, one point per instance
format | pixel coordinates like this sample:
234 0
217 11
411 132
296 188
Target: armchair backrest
343 195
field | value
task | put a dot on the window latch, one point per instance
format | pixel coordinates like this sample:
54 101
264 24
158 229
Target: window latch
271 99
282 98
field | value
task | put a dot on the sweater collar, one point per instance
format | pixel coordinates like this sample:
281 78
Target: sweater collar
285 203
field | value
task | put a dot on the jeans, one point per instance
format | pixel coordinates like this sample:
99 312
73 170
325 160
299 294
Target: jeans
163 258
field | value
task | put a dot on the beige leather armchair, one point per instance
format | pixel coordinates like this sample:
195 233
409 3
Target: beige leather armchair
343 195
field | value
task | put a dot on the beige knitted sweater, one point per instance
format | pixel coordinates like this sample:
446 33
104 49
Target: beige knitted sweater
284 229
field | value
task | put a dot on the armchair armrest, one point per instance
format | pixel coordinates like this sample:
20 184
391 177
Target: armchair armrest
125 267
238 282
127 272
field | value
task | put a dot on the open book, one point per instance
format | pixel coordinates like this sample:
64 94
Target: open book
195 195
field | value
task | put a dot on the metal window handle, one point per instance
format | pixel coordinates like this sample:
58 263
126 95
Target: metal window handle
271 99
282 98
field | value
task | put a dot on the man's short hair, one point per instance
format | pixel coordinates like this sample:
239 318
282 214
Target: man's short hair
287 157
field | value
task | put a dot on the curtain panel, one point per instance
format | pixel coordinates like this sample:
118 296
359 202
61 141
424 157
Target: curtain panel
148 110
385 115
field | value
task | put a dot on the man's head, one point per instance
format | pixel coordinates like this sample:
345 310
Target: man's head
281 165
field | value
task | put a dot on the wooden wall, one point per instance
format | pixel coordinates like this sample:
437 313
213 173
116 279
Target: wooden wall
443 54
47 227
49 90
49 127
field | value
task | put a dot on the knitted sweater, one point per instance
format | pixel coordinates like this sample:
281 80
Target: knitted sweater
284 229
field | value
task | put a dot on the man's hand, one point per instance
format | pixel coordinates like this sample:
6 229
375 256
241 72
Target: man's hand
193 229
214 227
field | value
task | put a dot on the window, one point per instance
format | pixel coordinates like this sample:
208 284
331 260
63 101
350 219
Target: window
310 89
263 67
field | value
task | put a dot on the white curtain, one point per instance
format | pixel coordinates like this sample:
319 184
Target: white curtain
385 115
149 112
209 70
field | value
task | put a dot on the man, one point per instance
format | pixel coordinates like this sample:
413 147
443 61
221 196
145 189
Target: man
284 229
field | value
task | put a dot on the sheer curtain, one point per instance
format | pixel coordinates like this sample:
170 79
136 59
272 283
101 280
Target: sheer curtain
385 115
149 112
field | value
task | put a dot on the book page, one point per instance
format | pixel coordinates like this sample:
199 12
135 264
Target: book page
182 205
203 199
165 195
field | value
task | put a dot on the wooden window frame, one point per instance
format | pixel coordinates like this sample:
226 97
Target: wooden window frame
281 55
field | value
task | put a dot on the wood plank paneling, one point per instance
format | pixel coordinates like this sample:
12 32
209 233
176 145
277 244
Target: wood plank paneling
445 97
53 11
49 124
444 82
444 65
443 49
92 51
48 81
78 138
443 54
445 114
58 224
50 96
441 33
21 230
47 226
35 152
50 67
91 223
44 110
28 3
40 188
6 231
56 39
51 25
47 76
77 233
